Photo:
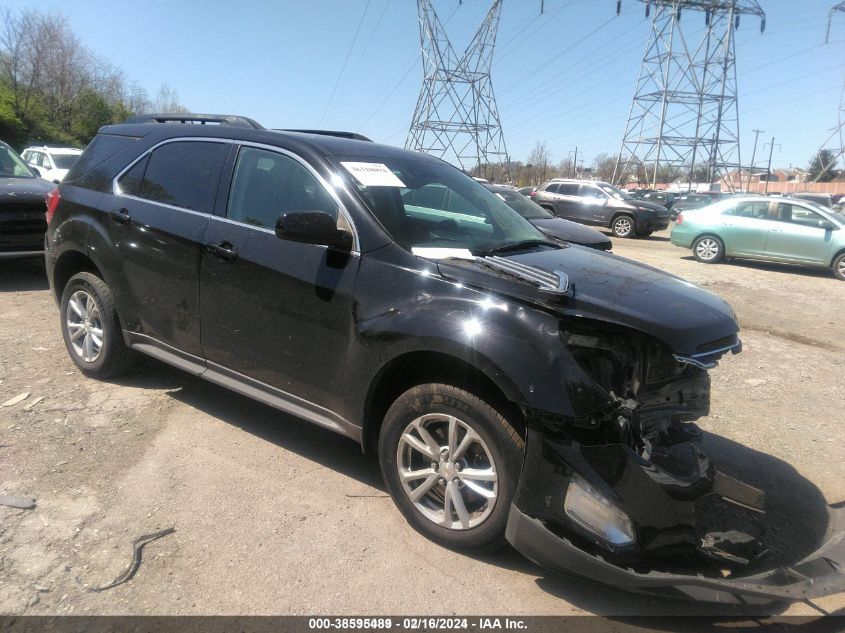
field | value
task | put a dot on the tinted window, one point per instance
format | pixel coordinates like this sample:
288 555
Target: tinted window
755 210
130 182
184 174
266 185
431 196
103 147
568 190
553 188
591 192
797 214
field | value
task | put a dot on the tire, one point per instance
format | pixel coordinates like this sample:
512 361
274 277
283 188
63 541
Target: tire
495 451
839 267
708 249
623 226
87 309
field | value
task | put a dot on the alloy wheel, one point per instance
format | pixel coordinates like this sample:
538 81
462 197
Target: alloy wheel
622 227
84 326
707 249
447 471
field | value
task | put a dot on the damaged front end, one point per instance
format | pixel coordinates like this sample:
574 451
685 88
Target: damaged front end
622 493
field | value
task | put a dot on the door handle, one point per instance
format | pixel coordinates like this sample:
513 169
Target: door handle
121 216
223 250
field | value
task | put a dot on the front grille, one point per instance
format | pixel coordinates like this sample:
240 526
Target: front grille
721 343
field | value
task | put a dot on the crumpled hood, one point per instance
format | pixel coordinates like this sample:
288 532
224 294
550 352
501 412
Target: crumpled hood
617 290
571 231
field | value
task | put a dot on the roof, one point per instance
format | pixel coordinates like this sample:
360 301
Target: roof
56 150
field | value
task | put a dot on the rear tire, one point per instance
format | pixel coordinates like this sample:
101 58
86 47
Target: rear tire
839 267
622 226
451 462
708 249
91 328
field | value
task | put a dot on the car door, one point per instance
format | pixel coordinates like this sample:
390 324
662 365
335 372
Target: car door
594 206
798 236
155 227
277 311
745 227
568 202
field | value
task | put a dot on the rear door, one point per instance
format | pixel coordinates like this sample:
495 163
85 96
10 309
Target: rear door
277 311
796 235
746 227
568 202
594 208
156 225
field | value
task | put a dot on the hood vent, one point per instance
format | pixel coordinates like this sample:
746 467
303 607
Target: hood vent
556 282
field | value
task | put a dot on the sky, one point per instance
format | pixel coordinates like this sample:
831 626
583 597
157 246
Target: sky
565 77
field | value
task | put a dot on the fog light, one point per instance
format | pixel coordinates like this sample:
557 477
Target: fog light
595 513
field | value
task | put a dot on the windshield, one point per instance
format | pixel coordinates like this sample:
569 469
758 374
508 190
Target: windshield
528 209
426 204
64 161
11 165
615 192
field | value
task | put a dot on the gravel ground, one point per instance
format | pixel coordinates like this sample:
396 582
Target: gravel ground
275 516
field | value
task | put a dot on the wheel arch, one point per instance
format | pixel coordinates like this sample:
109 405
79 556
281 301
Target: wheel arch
710 233
67 265
419 367
837 254
616 215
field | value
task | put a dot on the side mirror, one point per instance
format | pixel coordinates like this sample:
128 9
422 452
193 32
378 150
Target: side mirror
312 227
827 225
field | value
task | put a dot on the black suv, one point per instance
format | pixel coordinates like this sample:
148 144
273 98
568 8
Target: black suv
514 388
599 203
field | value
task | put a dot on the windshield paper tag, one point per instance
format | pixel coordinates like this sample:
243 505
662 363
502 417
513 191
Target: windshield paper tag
373 174
442 253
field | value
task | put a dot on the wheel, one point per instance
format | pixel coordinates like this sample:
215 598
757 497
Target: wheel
91 329
622 226
839 267
451 463
708 249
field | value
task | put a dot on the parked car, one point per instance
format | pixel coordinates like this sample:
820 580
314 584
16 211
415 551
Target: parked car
550 225
527 191
824 199
768 228
665 198
22 207
52 163
514 388
639 192
598 203
688 201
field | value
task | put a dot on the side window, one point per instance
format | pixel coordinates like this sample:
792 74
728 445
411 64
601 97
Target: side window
797 214
568 190
184 174
591 192
130 182
553 188
429 196
754 210
267 184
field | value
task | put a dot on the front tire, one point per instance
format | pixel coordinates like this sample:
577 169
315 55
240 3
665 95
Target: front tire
451 462
622 226
91 328
708 249
839 267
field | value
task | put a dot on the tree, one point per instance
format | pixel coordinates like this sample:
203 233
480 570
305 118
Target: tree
822 166
603 166
538 163
167 100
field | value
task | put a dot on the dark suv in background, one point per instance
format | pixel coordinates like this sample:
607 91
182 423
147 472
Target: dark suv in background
514 387
598 203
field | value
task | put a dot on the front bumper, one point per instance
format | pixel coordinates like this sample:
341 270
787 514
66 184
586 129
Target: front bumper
665 515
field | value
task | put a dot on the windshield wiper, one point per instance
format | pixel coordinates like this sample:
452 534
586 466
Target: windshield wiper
516 246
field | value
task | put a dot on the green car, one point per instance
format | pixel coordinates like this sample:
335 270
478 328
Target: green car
784 230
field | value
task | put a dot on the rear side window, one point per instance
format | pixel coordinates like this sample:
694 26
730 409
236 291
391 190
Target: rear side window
568 190
755 210
103 147
184 174
130 182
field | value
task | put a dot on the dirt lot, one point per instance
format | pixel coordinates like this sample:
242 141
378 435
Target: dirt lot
275 516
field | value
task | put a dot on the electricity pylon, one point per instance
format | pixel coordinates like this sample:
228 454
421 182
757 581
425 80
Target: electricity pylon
456 116
683 124
839 130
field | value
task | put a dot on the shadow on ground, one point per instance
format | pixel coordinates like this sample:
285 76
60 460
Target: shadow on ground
18 275
796 510
792 269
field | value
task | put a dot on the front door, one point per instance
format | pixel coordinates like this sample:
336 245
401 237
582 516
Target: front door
746 227
277 311
798 235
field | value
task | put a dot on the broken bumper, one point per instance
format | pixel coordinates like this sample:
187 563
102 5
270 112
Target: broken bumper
539 531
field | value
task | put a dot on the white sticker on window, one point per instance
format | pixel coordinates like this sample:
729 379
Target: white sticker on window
442 253
373 174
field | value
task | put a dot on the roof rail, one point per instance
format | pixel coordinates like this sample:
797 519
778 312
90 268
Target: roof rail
197 119
352 135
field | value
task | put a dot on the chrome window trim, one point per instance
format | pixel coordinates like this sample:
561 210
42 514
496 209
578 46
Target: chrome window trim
210 214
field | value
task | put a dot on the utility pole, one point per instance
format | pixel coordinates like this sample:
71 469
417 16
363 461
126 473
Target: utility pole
757 133
769 168
575 162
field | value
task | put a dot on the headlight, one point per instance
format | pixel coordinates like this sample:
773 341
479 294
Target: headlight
591 510
646 210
